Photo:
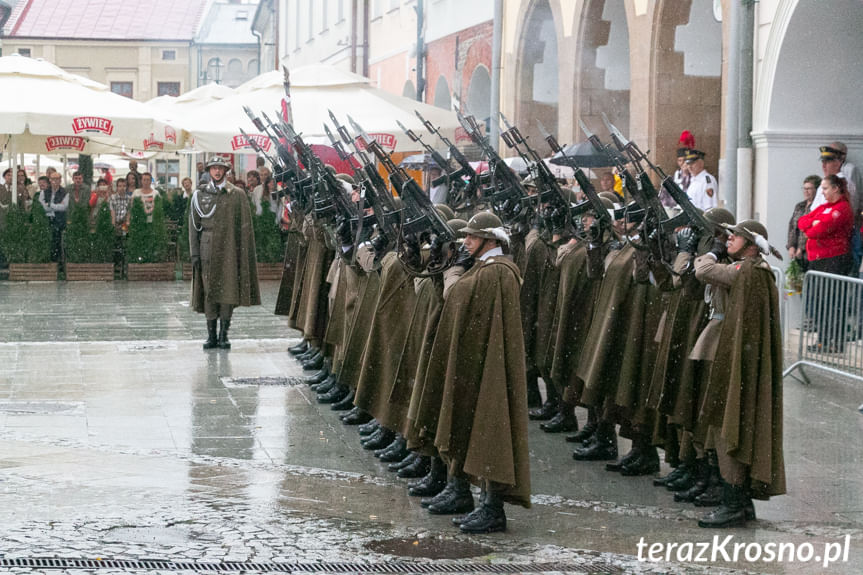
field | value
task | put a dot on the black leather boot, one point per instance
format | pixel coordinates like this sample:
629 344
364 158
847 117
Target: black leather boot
564 421
319 376
335 395
396 451
684 482
545 412
356 416
459 519
646 464
418 468
306 355
732 511
712 496
586 431
346 403
628 459
489 519
314 363
673 476
301 347
403 462
458 500
212 337
432 483
602 446
324 386
702 479
379 439
224 325
367 429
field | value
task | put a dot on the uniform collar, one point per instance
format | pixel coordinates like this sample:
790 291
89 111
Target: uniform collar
491 253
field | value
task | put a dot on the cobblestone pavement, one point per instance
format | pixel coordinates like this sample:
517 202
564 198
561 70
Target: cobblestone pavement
121 439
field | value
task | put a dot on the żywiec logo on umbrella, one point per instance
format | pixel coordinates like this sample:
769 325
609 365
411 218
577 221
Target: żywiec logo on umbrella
240 142
387 141
152 143
53 143
92 124
170 135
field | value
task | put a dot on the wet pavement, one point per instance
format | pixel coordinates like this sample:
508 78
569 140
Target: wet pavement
121 439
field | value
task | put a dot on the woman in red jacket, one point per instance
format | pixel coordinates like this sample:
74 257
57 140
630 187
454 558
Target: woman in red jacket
828 247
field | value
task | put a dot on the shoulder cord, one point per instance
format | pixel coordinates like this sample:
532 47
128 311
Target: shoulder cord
200 212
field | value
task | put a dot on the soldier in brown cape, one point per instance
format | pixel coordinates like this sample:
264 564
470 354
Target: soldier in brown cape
743 400
478 353
222 248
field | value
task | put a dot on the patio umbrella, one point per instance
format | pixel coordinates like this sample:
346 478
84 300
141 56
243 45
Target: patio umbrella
175 107
315 90
584 155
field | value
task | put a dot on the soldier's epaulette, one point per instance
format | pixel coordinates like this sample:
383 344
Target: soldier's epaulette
707 177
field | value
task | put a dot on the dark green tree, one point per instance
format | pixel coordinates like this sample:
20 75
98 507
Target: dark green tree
85 166
183 236
14 236
38 235
268 238
139 239
76 239
159 232
104 236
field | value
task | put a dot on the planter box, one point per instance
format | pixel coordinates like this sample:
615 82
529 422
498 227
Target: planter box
270 271
187 271
89 272
161 272
33 272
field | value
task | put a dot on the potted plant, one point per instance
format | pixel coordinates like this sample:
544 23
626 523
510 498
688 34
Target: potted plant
147 244
89 253
26 243
268 244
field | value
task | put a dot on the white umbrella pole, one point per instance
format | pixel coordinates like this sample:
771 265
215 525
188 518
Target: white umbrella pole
65 169
38 166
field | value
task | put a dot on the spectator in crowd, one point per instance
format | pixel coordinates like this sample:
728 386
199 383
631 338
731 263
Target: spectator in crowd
188 187
133 168
437 194
119 204
607 183
256 189
828 247
147 194
79 192
50 170
101 194
133 182
6 191
56 203
702 186
796 243
42 184
203 176
27 183
106 174
260 162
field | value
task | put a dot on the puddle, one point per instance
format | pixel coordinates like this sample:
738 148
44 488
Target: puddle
41 407
430 548
173 535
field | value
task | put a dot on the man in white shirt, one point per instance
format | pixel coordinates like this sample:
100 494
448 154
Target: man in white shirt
702 186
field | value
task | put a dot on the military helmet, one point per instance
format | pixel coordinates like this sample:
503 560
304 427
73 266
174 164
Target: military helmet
720 216
346 178
606 203
218 161
611 197
486 225
445 211
457 225
571 196
747 229
529 181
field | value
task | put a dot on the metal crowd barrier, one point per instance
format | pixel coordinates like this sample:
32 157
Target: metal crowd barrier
831 338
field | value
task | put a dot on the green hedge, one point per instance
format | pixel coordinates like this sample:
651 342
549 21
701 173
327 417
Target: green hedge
26 237
268 239
147 242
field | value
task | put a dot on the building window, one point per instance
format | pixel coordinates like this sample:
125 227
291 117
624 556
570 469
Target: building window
24 52
122 88
214 70
394 5
377 8
242 15
168 173
168 89
341 11
169 54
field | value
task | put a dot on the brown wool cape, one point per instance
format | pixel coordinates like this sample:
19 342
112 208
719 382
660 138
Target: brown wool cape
538 289
358 330
233 275
385 343
478 353
744 397
293 263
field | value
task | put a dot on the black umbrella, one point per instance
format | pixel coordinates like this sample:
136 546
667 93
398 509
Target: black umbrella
418 162
585 155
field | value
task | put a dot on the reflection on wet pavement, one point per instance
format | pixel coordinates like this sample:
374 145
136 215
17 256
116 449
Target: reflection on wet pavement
120 437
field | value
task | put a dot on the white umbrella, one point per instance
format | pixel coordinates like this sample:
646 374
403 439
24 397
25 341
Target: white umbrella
315 90
176 107
46 109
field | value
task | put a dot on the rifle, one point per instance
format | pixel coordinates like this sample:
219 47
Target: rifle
422 222
509 199
387 215
692 216
601 214
465 170
550 191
